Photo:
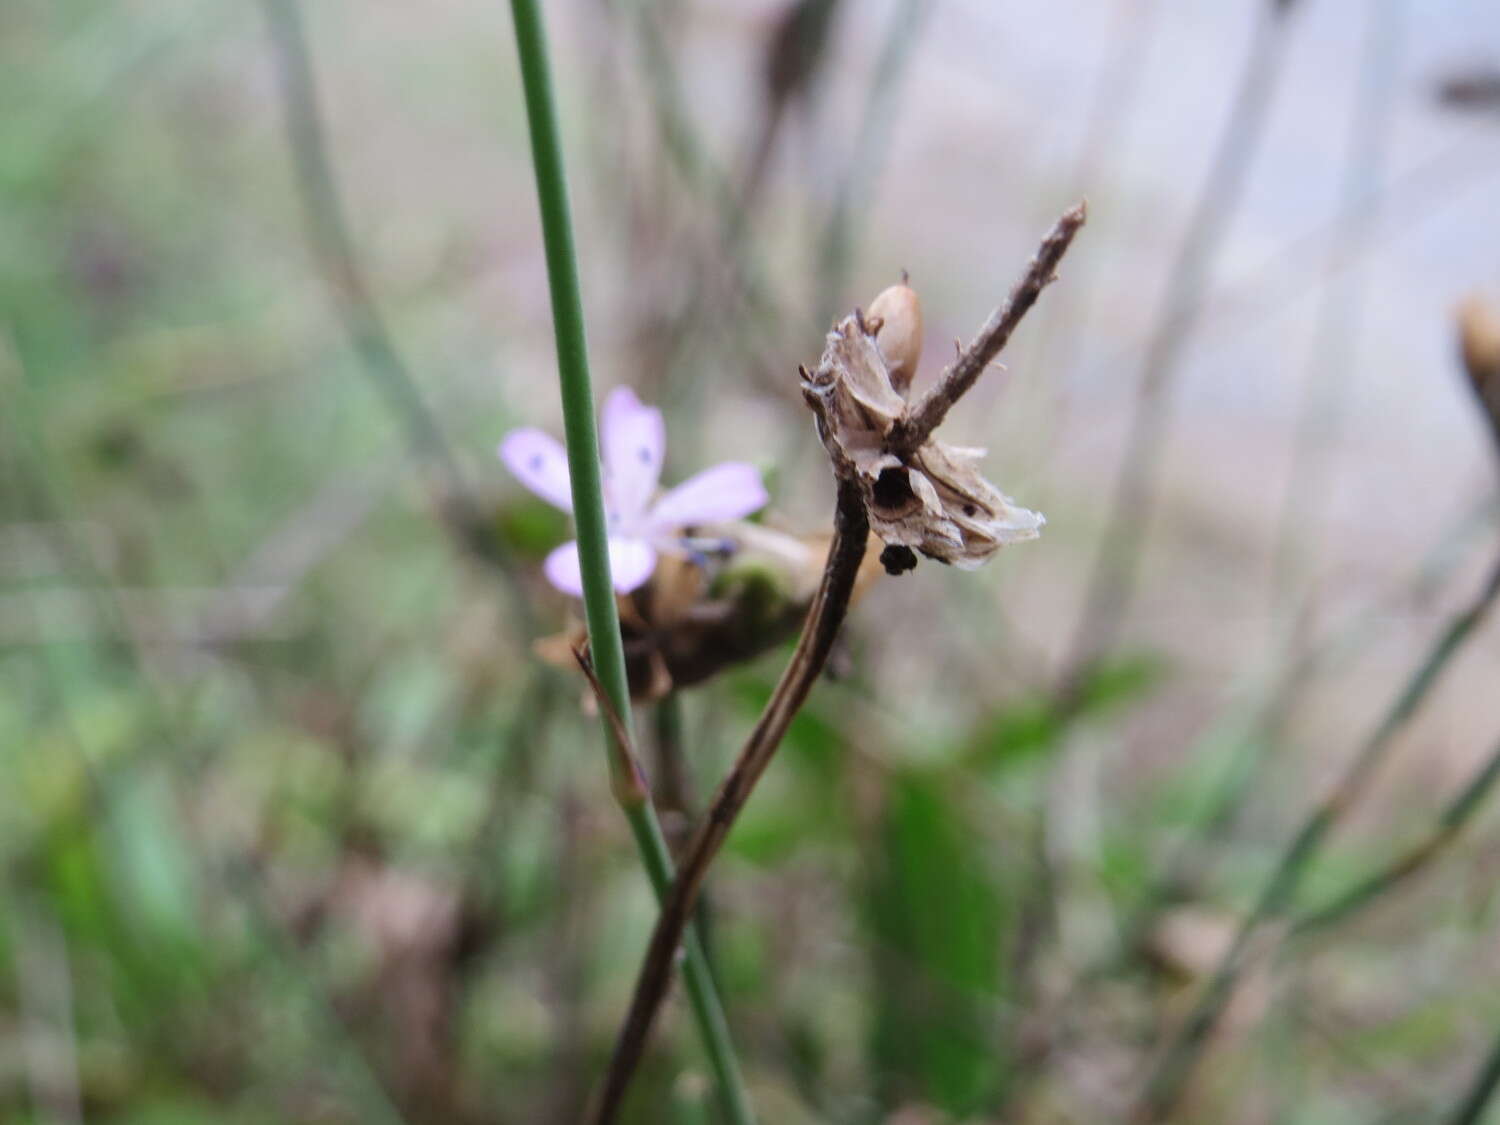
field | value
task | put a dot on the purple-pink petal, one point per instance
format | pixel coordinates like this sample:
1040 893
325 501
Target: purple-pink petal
725 492
540 463
635 441
631 562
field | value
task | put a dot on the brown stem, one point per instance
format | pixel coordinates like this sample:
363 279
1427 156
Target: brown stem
916 426
829 608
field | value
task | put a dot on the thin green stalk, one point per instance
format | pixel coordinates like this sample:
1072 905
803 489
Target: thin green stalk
1334 353
607 652
1413 859
1175 1065
1113 578
836 243
334 250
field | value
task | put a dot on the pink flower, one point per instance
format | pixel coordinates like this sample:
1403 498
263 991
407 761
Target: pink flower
634 441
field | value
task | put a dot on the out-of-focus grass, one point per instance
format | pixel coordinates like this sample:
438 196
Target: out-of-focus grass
295 827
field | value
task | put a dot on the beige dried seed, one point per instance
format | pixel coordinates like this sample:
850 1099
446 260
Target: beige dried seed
896 315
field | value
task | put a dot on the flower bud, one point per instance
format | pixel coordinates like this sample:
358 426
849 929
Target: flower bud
1479 338
899 311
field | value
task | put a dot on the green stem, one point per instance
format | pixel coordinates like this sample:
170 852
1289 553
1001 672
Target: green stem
1412 860
588 509
1165 1086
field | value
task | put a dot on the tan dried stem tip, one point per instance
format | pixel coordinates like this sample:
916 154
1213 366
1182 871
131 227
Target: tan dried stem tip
1479 337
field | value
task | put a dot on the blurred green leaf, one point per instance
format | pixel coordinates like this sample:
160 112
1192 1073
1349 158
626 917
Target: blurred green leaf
938 921
148 856
1011 736
1117 680
1032 726
531 528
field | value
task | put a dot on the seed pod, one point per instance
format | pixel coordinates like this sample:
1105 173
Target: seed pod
899 311
1479 337
932 500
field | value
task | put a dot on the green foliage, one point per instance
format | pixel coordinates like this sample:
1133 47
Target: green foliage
1030 727
938 922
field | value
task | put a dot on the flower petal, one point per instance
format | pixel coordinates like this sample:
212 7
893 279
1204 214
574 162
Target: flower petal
562 569
540 463
635 442
631 562
725 492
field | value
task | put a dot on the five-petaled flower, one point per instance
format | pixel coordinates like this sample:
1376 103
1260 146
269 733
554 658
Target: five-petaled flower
634 441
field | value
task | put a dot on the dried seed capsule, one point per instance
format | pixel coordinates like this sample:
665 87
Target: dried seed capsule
899 311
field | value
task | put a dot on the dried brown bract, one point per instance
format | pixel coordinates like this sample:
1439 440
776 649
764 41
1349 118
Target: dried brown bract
931 500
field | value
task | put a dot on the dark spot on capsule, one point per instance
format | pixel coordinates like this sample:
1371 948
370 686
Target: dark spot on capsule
892 490
645 456
898 559
536 463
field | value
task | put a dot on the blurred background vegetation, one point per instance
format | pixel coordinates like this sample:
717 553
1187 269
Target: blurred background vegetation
296 827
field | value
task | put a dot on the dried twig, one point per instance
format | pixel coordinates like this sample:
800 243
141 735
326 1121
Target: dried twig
626 776
829 607
928 413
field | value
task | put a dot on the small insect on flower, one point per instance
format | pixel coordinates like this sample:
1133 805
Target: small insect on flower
642 526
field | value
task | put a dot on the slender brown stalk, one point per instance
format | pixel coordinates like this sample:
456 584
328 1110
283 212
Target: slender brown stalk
829 607
1169 1078
672 780
626 776
909 432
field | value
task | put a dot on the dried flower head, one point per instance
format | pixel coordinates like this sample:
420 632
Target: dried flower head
933 499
